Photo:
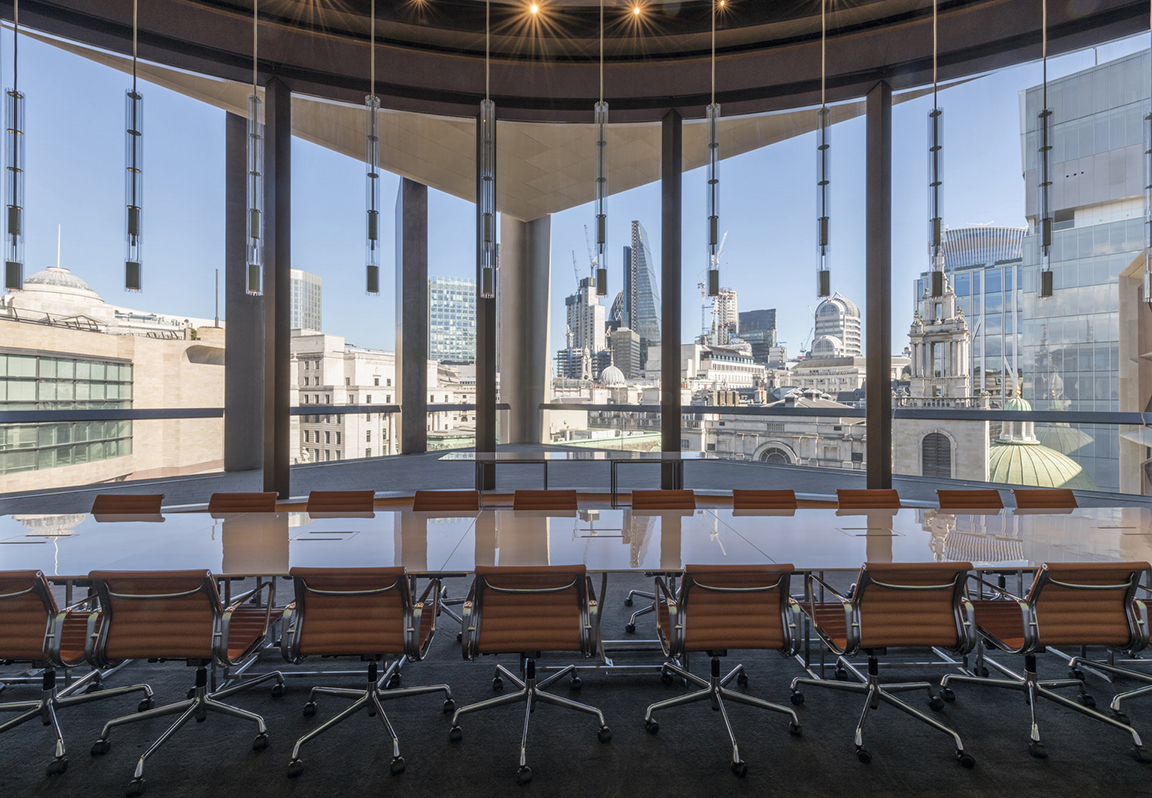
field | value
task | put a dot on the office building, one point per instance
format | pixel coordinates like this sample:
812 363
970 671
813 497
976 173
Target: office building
758 328
451 320
305 308
641 301
837 328
625 347
585 317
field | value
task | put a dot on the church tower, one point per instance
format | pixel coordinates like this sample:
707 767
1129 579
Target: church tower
939 341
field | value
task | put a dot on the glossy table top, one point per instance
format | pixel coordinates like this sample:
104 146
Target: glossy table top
604 455
69 546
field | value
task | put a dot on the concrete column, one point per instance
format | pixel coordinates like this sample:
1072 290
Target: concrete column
485 346
412 315
878 267
244 314
525 284
277 283
671 224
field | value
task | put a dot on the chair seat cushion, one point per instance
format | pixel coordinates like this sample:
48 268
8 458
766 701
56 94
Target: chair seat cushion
830 618
74 635
1001 620
247 627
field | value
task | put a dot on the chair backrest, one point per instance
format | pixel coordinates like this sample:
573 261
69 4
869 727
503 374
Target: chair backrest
436 501
970 499
1087 604
27 612
544 500
127 503
735 606
663 500
763 499
352 612
868 499
1054 499
224 503
156 614
912 604
518 610
340 501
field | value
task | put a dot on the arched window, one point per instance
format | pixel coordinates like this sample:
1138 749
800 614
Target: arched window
775 456
936 456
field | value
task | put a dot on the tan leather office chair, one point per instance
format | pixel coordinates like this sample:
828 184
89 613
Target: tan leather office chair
1068 604
892 606
226 503
764 500
867 500
645 500
34 631
127 504
1116 706
1055 499
438 501
527 611
563 500
341 501
359 612
177 615
720 607
969 499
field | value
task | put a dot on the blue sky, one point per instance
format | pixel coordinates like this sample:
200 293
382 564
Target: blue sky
75 161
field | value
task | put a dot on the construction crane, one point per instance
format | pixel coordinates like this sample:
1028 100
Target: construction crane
705 306
592 264
811 332
575 268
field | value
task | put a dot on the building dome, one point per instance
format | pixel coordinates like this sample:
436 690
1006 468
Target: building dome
837 304
612 377
57 277
1063 438
57 293
1018 403
1036 466
827 346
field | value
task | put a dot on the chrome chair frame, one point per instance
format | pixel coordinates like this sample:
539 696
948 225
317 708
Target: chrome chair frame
1029 683
200 701
870 685
531 691
715 688
372 696
1115 706
51 700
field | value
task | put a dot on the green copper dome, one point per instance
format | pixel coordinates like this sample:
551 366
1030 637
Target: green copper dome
1037 466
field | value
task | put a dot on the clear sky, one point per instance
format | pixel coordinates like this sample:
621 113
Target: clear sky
75 178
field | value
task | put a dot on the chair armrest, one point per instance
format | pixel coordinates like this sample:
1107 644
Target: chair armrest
288 648
226 619
968 633
671 641
55 637
995 588
417 648
792 629
851 629
592 628
1141 624
467 625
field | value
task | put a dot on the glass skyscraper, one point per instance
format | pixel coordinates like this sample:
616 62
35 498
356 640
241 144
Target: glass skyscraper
641 301
451 320
305 307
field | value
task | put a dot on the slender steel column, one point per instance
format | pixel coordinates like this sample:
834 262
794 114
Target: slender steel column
277 283
878 254
244 315
525 282
485 346
412 314
671 227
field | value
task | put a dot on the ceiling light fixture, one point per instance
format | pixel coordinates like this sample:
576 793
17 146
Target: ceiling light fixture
371 159
1044 166
600 119
487 188
14 166
935 178
255 164
823 171
713 120
134 176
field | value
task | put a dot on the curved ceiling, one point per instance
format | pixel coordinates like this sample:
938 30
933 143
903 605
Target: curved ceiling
430 53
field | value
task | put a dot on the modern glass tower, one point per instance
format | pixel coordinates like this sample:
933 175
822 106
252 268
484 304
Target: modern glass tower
451 320
641 300
305 307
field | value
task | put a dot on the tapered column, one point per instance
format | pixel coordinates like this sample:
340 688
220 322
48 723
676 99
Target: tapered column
485 345
244 315
525 283
878 264
671 224
412 314
277 283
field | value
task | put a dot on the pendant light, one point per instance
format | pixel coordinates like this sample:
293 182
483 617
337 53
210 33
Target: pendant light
600 119
935 176
1148 195
134 177
371 159
14 169
487 198
255 163
713 121
823 171
1044 175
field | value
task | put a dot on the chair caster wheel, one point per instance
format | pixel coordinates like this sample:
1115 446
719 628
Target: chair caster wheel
1120 716
1037 750
742 679
56 767
295 768
1142 754
101 747
397 766
135 788
797 699
965 759
1086 700
983 673
310 709
627 602
144 705
393 682
740 769
863 756
604 735
459 637
260 742
936 703
841 675
795 730
651 726
449 705
455 734
666 677
575 684
278 690
92 688
1076 673
947 694
630 628
497 684
523 774
191 692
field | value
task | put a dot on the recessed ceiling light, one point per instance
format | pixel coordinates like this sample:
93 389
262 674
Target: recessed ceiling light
636 10
535 9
